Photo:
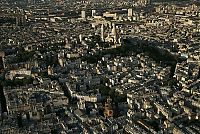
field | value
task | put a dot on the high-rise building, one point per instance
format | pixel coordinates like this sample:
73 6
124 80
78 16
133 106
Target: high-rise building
114 33
80 37
3 101
20 17
149 2
145 2
108 110
130 12
2 65
83 15
102 32
93 13
50 70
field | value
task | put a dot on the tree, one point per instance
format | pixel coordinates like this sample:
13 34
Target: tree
104 90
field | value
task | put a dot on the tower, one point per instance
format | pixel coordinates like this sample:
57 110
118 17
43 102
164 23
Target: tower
20 18
108 111
130 12
83 15
61 56
16 21
102 32
80 37
50 70
114 33
81 104
67 43
149 2
93 13
2 64
145 2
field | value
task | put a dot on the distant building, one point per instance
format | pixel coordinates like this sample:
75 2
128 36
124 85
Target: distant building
102 32
50 70
145 2
108 111
2 65
83 15
93 13
130 12
114 33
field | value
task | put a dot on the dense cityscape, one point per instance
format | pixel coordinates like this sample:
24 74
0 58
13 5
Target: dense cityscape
99 67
